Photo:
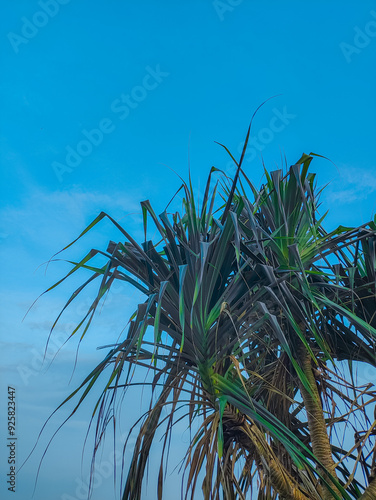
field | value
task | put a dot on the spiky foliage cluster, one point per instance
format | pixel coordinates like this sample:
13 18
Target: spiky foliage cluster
254 320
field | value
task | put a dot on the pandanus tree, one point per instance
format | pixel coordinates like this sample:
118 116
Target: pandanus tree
255 320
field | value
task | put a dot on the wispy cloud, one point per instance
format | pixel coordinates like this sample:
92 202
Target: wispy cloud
38 226
354 184
61 214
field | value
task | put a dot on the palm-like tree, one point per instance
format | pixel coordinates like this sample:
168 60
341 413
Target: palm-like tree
255 319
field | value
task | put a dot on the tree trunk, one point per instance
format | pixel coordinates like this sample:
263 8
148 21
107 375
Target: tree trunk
316 424
370 493
253 438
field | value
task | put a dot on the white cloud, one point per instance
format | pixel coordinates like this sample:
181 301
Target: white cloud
353 184
350 196
51 219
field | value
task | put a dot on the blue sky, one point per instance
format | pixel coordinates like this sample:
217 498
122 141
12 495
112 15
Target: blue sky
99 101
